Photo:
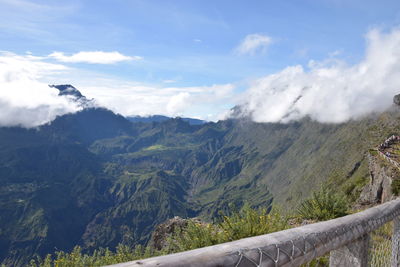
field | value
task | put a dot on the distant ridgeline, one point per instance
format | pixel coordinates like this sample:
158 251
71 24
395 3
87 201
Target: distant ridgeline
161 118
96 179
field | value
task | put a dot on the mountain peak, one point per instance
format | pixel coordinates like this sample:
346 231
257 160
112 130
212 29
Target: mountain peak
69 90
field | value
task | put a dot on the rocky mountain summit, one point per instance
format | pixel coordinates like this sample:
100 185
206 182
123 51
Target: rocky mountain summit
74 94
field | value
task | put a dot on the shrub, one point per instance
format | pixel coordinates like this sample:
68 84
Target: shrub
251 222
323 205
195 235
395 187
99 257
240 224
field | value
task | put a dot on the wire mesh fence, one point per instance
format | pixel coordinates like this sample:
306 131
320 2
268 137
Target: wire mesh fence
351 240
380 250
318 262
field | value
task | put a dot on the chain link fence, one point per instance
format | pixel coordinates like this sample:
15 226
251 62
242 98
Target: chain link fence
380 251
353 240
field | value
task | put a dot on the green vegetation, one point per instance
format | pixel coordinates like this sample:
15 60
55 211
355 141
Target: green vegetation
395 187
323 205
381 246
373 152
99 257
95 180
155 147
240 224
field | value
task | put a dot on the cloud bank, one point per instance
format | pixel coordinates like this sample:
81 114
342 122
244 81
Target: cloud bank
143 100
330 91
254 43
27 100
327 91
93 57
24 100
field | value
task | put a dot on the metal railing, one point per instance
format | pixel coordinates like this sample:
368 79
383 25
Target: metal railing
345 238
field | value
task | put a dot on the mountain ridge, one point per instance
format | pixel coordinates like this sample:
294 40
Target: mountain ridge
95 179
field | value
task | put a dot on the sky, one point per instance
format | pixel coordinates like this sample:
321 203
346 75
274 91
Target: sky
332 60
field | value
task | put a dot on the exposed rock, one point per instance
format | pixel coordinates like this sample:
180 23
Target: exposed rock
379 188
74 94
396 99
163 231
67 89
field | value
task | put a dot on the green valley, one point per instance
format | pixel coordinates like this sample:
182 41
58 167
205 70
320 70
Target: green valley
95 179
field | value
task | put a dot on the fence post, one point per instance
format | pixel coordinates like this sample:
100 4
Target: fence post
396 243
354 254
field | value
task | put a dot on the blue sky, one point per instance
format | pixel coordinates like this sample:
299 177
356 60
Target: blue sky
188 44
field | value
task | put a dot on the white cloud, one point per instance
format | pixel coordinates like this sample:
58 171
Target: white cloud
93 57
24 99
254 43
142 100
178 103
27 100
331 91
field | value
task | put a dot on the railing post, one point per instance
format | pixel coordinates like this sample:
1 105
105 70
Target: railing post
354 254
396 243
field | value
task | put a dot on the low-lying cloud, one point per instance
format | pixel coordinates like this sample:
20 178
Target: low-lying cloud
27 100
93 57
330 91
24 100
146 100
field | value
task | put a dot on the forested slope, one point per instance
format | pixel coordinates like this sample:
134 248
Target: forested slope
94 178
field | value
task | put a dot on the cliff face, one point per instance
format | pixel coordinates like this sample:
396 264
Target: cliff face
379 189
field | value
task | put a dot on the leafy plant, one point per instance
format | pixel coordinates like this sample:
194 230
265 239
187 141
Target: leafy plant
196 235
243 223
240 224
395 187
251 222
323 205
99 257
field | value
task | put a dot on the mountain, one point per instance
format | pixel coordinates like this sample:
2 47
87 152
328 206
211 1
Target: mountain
96 179
74 94
67 89
161 118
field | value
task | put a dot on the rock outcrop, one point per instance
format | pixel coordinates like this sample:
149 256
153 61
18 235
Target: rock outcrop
163 231
396 99
379 189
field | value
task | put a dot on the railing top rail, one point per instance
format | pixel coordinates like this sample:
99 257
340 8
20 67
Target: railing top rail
291 247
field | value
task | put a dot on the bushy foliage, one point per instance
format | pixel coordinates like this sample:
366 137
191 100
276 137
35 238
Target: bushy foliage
240 224
251 222
395 187
99 257
323 205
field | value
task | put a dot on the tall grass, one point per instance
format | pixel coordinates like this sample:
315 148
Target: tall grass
240 224
243 223
323 205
